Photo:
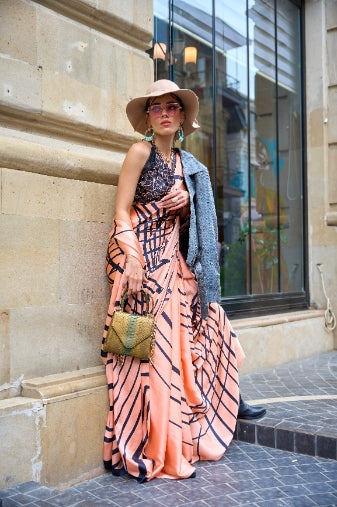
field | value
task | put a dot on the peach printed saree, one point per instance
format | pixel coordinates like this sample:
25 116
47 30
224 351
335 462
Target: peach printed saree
165 417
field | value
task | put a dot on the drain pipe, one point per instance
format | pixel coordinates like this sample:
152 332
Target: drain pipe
329 316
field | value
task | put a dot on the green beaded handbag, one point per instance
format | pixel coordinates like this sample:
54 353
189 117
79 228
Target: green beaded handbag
131 334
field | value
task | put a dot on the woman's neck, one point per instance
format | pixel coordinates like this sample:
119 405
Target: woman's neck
164 144
165 149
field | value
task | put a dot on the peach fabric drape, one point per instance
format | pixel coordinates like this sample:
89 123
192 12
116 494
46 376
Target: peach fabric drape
165 417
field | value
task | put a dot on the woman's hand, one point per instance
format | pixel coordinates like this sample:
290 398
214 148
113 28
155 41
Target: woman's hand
134 275
175 200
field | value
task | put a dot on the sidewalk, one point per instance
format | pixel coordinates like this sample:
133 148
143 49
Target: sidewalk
293 461
301 402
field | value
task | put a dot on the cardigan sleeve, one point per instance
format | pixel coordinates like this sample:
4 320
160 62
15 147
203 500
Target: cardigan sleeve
207 229
203 232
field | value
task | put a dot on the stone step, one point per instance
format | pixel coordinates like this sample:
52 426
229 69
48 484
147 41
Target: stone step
301 424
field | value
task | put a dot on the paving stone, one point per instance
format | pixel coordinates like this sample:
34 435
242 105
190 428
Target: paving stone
326 446
271 503
41 493
245 497
9 502
302 501
172 500
320 487
285 439
280 478
290 479
265 435
146 503
326 499
221 501
152 493
64 498
267 482
20 499
221 490
197 494
91 503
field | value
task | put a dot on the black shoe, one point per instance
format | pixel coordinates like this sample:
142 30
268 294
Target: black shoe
248 412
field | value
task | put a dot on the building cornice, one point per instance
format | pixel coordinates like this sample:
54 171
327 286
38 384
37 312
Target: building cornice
103 21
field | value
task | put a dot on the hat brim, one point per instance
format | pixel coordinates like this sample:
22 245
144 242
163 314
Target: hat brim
136 111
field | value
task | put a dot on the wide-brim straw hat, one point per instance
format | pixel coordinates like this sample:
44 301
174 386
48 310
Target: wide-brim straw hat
136 108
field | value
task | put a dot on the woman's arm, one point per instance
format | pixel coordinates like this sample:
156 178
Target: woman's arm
131 169
134 275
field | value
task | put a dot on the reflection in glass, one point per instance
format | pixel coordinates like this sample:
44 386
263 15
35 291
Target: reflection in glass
231 71
242 59
264 231
289 149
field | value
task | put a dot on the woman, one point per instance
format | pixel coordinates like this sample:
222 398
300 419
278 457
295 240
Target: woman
166 416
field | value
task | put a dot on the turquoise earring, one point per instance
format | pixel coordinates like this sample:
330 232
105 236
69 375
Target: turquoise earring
149 134
180 133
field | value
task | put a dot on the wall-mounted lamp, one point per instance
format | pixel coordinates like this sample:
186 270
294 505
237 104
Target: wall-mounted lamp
159 51
190 55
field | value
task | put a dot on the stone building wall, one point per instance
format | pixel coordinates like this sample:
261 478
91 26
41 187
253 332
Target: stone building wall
321 112
67 70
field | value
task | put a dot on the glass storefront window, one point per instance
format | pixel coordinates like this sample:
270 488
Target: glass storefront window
243 60
232 110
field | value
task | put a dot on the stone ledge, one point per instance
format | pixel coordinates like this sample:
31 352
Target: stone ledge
276 319
19 405
66 385
26 155
102 21
71 384
57 126
76 412
331 218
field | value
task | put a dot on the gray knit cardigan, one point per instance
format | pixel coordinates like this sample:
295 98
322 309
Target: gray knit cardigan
203 231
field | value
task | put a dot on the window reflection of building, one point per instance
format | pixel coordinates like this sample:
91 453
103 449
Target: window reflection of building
249 97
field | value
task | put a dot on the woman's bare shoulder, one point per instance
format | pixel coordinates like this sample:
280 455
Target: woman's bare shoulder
140 149
136 158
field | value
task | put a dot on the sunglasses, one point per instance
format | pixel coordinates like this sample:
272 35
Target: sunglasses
157 109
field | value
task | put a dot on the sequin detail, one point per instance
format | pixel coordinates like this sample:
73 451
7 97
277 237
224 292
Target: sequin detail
156 178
